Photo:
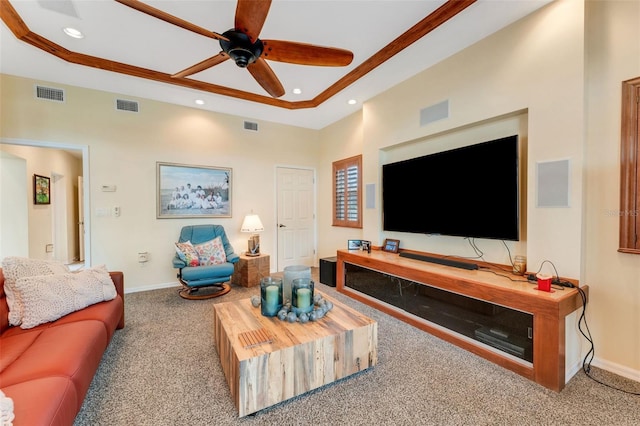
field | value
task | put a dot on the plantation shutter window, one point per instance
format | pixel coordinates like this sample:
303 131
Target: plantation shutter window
347 192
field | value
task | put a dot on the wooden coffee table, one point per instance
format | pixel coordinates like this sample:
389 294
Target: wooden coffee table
267 361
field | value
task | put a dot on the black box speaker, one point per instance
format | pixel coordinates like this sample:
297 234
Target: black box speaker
328 271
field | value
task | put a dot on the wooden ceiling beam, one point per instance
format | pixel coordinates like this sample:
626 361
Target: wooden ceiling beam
441 15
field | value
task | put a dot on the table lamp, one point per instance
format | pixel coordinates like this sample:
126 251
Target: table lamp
252 224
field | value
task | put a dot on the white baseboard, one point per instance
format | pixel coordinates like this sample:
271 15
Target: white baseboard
618 369
572 371
151 287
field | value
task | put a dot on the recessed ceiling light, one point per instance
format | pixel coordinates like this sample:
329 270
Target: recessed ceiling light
297 91
352 102
199 102
72 32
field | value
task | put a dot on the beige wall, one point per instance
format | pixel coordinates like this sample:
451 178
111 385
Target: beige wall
565 100
613 44
519 70
340 140
123 151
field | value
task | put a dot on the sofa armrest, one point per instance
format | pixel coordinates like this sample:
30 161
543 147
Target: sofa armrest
118 280
233 258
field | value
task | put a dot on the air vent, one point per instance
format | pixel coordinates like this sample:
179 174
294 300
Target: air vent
248 125
49 93
124 105
434 112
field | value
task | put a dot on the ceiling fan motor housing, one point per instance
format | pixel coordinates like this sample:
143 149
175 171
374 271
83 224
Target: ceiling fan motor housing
240 48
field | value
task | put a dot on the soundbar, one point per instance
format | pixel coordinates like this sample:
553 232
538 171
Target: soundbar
440 260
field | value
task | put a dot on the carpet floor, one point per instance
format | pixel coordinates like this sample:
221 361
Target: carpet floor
163 369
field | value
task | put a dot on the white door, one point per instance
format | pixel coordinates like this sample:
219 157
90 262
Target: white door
80 219
295 217
59 226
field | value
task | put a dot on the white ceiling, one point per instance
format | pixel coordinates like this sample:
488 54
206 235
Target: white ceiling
118 33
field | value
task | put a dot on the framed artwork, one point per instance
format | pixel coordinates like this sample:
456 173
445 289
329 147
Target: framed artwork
391 246
41 190
354 244
185 191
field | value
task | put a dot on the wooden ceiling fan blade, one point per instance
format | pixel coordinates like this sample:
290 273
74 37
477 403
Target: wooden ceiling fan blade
164 16
265 76
250 17
305 54
201 66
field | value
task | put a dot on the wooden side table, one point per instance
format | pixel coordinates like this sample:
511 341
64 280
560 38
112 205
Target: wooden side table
250 269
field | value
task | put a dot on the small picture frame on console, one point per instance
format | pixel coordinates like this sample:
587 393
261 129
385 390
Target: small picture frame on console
392 246
366 246
354 244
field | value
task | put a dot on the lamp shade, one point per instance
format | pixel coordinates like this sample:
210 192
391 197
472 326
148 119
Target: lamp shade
251 223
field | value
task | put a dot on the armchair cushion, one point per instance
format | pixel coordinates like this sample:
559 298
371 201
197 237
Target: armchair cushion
187 253
207 275
211 252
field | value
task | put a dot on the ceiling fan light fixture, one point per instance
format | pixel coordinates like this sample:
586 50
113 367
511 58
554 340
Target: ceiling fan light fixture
241 56
240 48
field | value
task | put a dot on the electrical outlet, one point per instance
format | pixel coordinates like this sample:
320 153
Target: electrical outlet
116 211
143 257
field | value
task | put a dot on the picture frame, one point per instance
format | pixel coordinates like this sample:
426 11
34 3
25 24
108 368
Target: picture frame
354 244
41 190
190 191
391 246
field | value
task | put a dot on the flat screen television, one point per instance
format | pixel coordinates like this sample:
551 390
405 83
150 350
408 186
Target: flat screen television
471 191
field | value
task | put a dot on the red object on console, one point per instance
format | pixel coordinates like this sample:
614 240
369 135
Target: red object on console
544 282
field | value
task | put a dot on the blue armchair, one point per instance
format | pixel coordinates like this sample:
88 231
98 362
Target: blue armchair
194 278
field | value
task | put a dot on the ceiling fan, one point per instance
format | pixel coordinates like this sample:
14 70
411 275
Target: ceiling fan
242 44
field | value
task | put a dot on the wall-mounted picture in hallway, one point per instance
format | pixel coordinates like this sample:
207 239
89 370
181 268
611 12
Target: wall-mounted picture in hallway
41 190
186 191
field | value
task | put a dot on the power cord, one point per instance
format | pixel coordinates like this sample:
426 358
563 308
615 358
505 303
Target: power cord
586 362
559 285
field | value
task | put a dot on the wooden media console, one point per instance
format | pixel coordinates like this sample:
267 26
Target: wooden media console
488 311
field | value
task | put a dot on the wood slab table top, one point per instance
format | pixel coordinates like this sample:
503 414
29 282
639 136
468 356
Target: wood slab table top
267 361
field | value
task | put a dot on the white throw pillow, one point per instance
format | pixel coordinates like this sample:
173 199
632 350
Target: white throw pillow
6 410
46 298
13 268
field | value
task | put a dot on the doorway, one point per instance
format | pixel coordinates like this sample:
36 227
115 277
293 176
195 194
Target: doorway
82 152
295 218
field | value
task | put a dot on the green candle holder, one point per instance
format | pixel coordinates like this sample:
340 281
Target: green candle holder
270 296
302 295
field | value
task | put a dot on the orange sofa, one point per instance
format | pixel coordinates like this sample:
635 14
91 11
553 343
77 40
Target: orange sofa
47 370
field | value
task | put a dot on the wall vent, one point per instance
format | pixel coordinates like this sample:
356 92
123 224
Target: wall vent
248 125
434 112
49 93
125 105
